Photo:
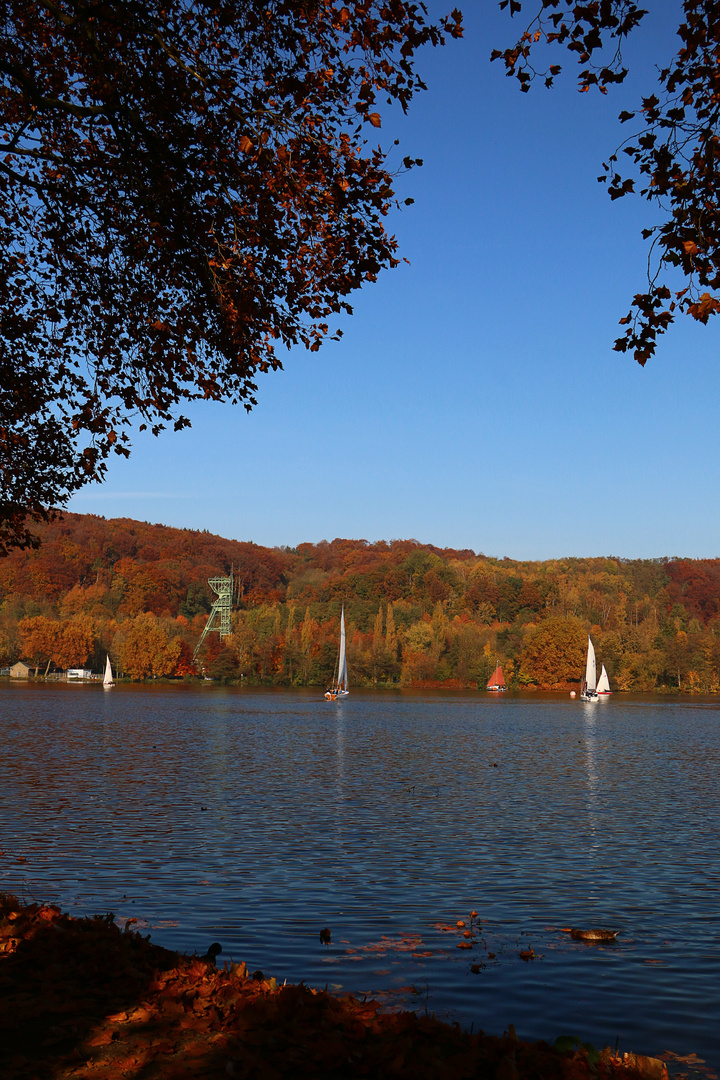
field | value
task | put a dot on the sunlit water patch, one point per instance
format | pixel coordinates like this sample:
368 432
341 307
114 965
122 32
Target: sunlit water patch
258 819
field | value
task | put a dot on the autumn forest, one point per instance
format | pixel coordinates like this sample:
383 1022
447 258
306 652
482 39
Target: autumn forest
416 615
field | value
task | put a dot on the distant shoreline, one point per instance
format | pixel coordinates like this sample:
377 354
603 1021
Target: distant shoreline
451 686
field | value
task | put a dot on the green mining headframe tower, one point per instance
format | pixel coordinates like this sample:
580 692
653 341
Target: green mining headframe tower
222 608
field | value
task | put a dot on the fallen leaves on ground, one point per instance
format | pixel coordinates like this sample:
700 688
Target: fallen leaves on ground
81 999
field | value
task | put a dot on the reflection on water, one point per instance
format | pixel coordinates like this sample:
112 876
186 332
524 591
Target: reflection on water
258 818
594 808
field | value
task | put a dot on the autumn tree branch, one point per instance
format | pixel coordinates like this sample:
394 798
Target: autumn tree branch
183 186
676 153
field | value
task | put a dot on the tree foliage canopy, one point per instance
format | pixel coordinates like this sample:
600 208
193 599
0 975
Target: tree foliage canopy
183 185
134 590
554 653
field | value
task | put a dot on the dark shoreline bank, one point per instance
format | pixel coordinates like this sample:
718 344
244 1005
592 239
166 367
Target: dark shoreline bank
79 998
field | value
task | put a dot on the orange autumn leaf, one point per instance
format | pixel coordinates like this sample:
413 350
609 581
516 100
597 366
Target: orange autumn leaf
706 306
102 1038
140 1015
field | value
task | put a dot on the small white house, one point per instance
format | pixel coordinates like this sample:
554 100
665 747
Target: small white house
73 674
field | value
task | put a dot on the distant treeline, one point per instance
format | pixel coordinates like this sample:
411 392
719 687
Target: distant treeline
416 615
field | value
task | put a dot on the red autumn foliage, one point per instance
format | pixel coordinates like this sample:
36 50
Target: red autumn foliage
695 583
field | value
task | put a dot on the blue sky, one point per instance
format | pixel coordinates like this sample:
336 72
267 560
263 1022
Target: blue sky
475 399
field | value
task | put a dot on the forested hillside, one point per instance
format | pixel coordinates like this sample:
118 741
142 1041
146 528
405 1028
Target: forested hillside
416 615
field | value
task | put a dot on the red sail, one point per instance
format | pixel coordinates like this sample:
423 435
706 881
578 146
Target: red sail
497 680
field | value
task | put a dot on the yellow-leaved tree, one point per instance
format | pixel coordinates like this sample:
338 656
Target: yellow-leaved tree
554 654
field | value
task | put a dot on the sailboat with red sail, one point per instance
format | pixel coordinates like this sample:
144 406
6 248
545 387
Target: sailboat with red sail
497 680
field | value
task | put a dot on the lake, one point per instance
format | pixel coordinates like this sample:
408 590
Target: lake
258 818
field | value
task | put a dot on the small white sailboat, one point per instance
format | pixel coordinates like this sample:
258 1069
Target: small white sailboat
603 686
339 688
588 691
108 680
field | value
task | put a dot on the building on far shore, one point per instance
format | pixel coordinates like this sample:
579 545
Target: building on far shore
79 673
20 671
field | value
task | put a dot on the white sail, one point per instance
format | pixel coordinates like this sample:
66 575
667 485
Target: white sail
339 689
590 669
342 661
108 679
603 686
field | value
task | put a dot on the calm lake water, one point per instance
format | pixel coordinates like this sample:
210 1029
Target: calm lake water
258 818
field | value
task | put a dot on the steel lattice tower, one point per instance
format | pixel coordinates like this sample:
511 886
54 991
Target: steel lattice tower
222 608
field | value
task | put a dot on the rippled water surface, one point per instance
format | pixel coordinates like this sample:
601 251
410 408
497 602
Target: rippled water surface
258 818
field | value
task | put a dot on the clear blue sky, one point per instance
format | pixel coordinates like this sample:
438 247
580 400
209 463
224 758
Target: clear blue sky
475 399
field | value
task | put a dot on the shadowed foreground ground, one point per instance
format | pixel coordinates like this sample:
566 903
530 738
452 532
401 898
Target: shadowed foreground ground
80 998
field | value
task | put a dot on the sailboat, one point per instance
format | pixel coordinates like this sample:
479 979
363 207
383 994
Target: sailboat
588 691
339 688
108 680
497 680
603 686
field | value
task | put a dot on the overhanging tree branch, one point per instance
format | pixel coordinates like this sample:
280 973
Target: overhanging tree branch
676 152
183 185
